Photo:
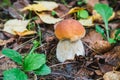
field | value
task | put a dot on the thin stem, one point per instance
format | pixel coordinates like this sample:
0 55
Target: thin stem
107 30
32 50
39 34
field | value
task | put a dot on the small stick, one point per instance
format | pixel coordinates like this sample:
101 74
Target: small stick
63 64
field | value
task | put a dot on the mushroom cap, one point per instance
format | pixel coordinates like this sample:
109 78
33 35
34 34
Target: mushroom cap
69 29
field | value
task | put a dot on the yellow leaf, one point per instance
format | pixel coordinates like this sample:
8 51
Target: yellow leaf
15 26
50 5
24 33
35 7
75 9
87 22
47 18
97 17
41 6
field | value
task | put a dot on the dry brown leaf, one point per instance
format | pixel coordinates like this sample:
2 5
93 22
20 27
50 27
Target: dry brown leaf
15 26
84 74
105 67
113 56
90 4
92 37
47 18
95 41
14 13
4 42
87 22
112 75
101 46
61 10
6 64
19 4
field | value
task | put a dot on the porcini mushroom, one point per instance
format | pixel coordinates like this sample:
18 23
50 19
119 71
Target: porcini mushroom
69 32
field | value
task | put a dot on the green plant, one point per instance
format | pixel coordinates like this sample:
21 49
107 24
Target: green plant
106 12
82 14
116 37
53 13
33 62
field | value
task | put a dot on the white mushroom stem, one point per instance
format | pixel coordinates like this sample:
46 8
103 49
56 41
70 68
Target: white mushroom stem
66 50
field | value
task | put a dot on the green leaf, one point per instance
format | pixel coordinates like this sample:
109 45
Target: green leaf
12 54
53 13
100 30
33 61
83 14
14 74
44 70
104 10
111 41
117 34
118 38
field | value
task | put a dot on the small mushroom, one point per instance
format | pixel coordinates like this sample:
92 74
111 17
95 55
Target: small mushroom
69 32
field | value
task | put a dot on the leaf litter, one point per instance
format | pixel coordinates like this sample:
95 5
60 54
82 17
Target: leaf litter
102 59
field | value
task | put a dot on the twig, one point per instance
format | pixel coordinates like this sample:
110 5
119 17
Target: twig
16 48
63 64
2 56
90 47
69 76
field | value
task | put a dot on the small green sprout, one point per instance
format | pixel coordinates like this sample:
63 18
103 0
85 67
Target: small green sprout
82 14
53 13
106 12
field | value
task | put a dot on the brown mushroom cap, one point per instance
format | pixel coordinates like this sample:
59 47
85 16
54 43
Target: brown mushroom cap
69 29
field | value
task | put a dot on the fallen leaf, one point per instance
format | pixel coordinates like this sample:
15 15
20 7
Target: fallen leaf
112 75
6 64
15 26
19 4
90 4
75 9
87 22
47 18
92 37
104 2
4 42
14 13
96 42
105 67
101 46
98 72
34 7
61 10
24 33
112 57
41 6
48 4
83 74
72 3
